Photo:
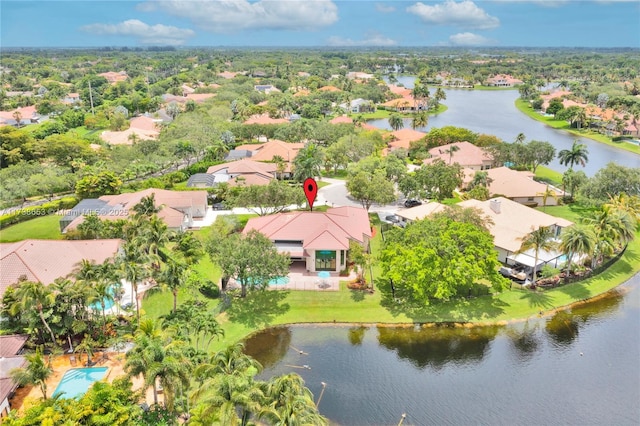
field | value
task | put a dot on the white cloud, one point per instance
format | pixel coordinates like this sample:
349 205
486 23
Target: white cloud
470 39
383 8
145 33
464 14
223 16
373 39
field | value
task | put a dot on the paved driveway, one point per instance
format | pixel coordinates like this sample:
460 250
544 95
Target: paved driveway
336 195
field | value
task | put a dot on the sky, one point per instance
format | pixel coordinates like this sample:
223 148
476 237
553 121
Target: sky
299 23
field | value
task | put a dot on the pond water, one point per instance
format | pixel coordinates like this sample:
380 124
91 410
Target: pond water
579 366
494 113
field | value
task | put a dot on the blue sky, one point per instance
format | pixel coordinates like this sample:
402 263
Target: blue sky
533 23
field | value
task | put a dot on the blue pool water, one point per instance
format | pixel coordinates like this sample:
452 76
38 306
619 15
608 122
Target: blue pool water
77 381
108 302
279 281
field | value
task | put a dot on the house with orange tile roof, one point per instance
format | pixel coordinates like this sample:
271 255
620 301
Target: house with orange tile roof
227 74
510 222
467 155
143 127
318 240
402 138
503 80
341 119
11 347
520 187
265 119
46 260
329 89
244 172
178 209
114 77
28 115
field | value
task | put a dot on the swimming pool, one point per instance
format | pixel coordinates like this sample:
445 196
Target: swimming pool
77 381
279 281
108 302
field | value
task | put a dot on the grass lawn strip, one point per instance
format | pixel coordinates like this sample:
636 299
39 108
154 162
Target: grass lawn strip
40 228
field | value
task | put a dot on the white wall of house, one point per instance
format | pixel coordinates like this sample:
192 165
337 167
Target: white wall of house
535 199
4 408
341 261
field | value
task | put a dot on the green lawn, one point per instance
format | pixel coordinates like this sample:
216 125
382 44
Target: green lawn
550 176
524 107
43 228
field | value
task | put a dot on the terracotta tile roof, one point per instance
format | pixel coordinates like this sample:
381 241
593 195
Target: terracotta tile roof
399 103
199 97
420 212
144 123
286 150
330 230
245 166
329 89
227 74
399 90
265 119
514 184
341 119
114 77
123 137
12 344
513 222
25 112
468 155
404 137
46 260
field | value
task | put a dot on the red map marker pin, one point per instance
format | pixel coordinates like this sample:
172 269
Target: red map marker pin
310 190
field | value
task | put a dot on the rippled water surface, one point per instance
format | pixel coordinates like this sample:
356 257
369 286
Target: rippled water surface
580 366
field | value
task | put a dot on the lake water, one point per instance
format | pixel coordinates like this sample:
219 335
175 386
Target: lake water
580 366
494 113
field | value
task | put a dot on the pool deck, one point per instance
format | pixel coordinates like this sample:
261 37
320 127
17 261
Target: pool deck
27 396
301 279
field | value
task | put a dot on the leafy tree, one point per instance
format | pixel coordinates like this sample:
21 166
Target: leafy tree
371 188
251 258
37 372
64 150
539 153
573 180
537 240
94 185
15 145
612 180
439 259
555 106
437 180
275 197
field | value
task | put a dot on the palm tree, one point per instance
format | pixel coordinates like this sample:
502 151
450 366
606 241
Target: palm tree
548 192
37 371
146 206
420 119
630 204
396 122
308 162
520 138
131 267
613 228
440 95
578 154
577 240
173 277
34 296
538 239
359 120
290 403
451 150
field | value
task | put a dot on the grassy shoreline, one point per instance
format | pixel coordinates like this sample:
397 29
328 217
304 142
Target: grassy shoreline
261 310
525 108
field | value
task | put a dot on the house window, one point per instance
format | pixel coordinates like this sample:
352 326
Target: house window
325 260
342 257
530 199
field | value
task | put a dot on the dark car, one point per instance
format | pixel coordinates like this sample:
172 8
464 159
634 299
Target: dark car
392 218
412 203
218 206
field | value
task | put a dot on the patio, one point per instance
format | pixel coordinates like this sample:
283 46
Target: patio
300 279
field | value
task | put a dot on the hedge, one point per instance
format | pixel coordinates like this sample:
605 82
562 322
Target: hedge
22 214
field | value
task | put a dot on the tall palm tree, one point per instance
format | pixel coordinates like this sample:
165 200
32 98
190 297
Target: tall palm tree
536 240
396 122
131 266
577 240
146 206
37 371
520 138
622 201
420 119
34 296
578 154
173 276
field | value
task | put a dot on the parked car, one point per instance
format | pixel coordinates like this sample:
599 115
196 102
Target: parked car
513 274
218 206
412 203
395 219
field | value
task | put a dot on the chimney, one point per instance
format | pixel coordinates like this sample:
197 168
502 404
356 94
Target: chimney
495 205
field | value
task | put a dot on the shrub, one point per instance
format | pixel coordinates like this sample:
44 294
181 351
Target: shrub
27 213
210 290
